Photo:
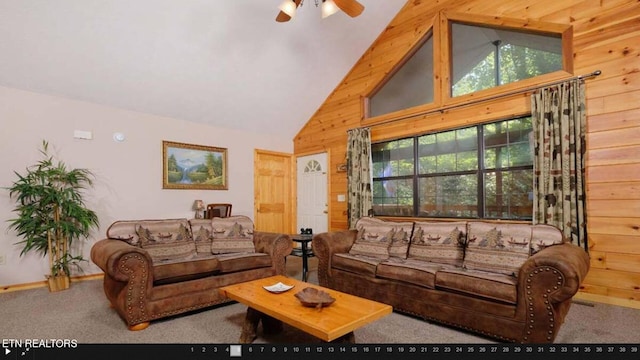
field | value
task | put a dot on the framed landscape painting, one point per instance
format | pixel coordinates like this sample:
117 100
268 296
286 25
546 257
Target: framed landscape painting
187 166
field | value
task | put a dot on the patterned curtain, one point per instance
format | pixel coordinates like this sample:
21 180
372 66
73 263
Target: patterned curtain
559 121
360 198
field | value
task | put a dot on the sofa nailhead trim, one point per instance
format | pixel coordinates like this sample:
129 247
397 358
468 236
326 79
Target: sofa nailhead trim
551 319
130 300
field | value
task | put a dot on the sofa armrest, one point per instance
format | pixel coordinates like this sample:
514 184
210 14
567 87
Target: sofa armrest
326 244
278 246
112 255
546 283
569 263
128 278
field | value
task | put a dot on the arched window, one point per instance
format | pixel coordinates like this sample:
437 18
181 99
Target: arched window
313 166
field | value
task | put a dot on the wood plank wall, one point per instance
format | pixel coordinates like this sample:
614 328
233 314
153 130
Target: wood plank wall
605 36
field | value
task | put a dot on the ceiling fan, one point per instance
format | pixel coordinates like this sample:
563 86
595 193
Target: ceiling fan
350 7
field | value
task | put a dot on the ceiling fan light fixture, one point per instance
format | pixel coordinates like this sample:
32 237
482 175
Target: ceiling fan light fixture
328 8
288 7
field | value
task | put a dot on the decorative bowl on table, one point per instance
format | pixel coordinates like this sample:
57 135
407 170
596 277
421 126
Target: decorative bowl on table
312 297
278 288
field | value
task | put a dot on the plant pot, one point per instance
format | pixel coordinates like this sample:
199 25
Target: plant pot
58 283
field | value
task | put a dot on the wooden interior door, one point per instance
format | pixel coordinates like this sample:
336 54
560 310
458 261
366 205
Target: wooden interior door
273 192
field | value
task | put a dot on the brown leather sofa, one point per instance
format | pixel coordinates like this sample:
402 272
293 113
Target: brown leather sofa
512 282
159 268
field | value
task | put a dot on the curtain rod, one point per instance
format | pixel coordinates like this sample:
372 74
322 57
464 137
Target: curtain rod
585 76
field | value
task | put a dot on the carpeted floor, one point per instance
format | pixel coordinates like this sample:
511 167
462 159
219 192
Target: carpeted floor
82 313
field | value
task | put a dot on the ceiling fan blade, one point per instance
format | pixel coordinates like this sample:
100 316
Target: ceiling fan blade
283 17
350 7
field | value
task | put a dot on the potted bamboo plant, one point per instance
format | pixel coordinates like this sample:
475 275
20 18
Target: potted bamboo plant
52 214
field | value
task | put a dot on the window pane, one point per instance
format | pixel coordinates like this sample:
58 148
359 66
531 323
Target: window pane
448 151
508 194
393 197
428 164
394 158
485 57
449 196
507 144
411 86
446 162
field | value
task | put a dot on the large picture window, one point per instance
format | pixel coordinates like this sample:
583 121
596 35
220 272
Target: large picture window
482 171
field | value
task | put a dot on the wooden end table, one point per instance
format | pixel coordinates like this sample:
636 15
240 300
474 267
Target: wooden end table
304 252
334 323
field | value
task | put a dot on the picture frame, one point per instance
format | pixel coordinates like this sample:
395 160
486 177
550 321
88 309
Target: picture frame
189 166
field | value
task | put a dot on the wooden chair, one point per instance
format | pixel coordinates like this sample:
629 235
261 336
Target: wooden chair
218 210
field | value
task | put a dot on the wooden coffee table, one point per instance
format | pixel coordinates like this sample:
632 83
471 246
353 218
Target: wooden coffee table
332 323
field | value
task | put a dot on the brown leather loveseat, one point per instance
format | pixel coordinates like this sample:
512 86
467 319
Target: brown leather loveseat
159 268
512 282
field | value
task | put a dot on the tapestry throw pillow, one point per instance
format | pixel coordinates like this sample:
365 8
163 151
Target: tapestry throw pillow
166 240
232 234
202 235
499 248
400 240
543 236
124 230
373 239
438 242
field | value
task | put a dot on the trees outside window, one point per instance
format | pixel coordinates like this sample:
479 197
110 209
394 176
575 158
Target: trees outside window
482 171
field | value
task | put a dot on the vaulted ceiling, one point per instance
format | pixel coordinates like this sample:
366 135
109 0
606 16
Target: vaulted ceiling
226 63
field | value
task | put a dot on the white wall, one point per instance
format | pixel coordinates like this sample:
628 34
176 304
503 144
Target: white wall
128 182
